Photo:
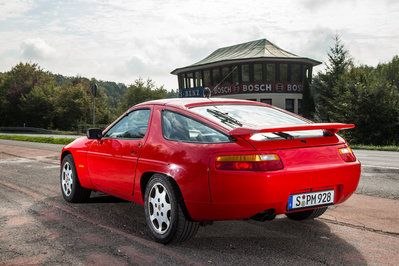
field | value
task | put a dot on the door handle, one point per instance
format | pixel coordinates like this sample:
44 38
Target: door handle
135 151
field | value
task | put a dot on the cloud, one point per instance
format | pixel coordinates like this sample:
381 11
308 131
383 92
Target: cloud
122 40
34 49
142 67
14 9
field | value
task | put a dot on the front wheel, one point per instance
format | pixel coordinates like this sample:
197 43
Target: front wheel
71 189
309 214
163 212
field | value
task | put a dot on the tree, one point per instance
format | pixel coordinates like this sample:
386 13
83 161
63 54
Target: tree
371 102
339 62
308 106
38 106
141 91
173 94
73 105
16 83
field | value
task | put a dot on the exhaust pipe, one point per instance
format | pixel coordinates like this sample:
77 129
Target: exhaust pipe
266 215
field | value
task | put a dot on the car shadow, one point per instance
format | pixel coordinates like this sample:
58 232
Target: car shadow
99 197
281 241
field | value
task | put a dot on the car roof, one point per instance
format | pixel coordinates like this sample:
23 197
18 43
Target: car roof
185 103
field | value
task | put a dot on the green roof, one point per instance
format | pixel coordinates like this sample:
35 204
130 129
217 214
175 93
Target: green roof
260 49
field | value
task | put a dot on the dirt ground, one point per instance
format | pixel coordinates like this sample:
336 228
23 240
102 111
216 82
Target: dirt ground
38 227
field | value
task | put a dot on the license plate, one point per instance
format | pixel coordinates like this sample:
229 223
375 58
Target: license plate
310 199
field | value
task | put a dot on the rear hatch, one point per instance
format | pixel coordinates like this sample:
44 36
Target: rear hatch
292 136
289 160
292 155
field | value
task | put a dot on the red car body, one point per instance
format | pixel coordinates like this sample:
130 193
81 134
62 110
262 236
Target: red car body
123 167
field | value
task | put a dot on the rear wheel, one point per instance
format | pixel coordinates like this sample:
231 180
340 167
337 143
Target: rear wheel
309 214
71 189
163 211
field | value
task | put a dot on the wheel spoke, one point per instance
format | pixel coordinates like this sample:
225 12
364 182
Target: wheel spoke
160 206
67 179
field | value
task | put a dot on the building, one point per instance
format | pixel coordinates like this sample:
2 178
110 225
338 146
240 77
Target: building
257 70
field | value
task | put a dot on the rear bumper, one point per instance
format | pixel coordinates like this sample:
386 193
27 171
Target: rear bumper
242 195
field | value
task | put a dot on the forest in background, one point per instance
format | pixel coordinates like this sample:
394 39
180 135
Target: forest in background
32 97
362 95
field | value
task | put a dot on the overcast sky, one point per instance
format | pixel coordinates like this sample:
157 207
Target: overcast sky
122 40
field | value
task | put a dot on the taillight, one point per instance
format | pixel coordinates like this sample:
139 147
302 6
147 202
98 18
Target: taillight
347 154
262 162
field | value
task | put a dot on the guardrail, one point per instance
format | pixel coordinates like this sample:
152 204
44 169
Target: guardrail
25 129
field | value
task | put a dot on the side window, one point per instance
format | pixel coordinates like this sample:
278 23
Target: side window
132 126
178 127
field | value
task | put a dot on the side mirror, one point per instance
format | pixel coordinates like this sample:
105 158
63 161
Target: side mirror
94 133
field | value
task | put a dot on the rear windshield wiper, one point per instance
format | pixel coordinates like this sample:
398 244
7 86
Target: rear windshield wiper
224 117
284 135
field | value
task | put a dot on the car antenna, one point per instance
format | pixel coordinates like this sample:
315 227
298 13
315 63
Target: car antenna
225 77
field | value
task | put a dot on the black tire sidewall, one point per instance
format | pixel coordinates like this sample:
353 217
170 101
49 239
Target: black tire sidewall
174 219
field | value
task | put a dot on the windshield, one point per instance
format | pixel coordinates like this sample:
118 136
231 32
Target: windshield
257 117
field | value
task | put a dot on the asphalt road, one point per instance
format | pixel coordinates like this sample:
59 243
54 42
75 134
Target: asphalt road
38 227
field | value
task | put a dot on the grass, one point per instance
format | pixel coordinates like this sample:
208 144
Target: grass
375 148
51 140
65 141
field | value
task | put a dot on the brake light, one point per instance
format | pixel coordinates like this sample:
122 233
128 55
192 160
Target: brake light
347 154
263 162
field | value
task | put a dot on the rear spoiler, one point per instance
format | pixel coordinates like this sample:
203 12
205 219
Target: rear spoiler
330 127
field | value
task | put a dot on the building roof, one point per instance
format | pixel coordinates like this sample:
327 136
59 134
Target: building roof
255 50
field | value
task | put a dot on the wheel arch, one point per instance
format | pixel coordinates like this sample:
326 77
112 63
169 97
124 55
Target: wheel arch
145 178
82 172
65 153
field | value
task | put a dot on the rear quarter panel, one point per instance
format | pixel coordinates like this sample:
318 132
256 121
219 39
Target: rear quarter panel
186 163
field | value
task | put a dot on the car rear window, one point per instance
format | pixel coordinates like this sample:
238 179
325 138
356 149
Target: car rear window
178 127
257 117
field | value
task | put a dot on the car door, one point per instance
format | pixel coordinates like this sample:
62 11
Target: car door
112 160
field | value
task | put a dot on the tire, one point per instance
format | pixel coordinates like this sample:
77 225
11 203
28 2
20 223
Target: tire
163 212
309 214
71 189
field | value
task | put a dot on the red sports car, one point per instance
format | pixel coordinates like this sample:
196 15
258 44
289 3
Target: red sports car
196 160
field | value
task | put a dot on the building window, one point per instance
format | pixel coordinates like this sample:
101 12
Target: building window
290 105
235 75
198 79
283 69
307 71
245 73
190 80
254 100
271 72
207 78
225 75
181 81
258 73
295 73
267 101
216 76
299 106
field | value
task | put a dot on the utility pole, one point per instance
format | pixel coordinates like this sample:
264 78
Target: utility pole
94 92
